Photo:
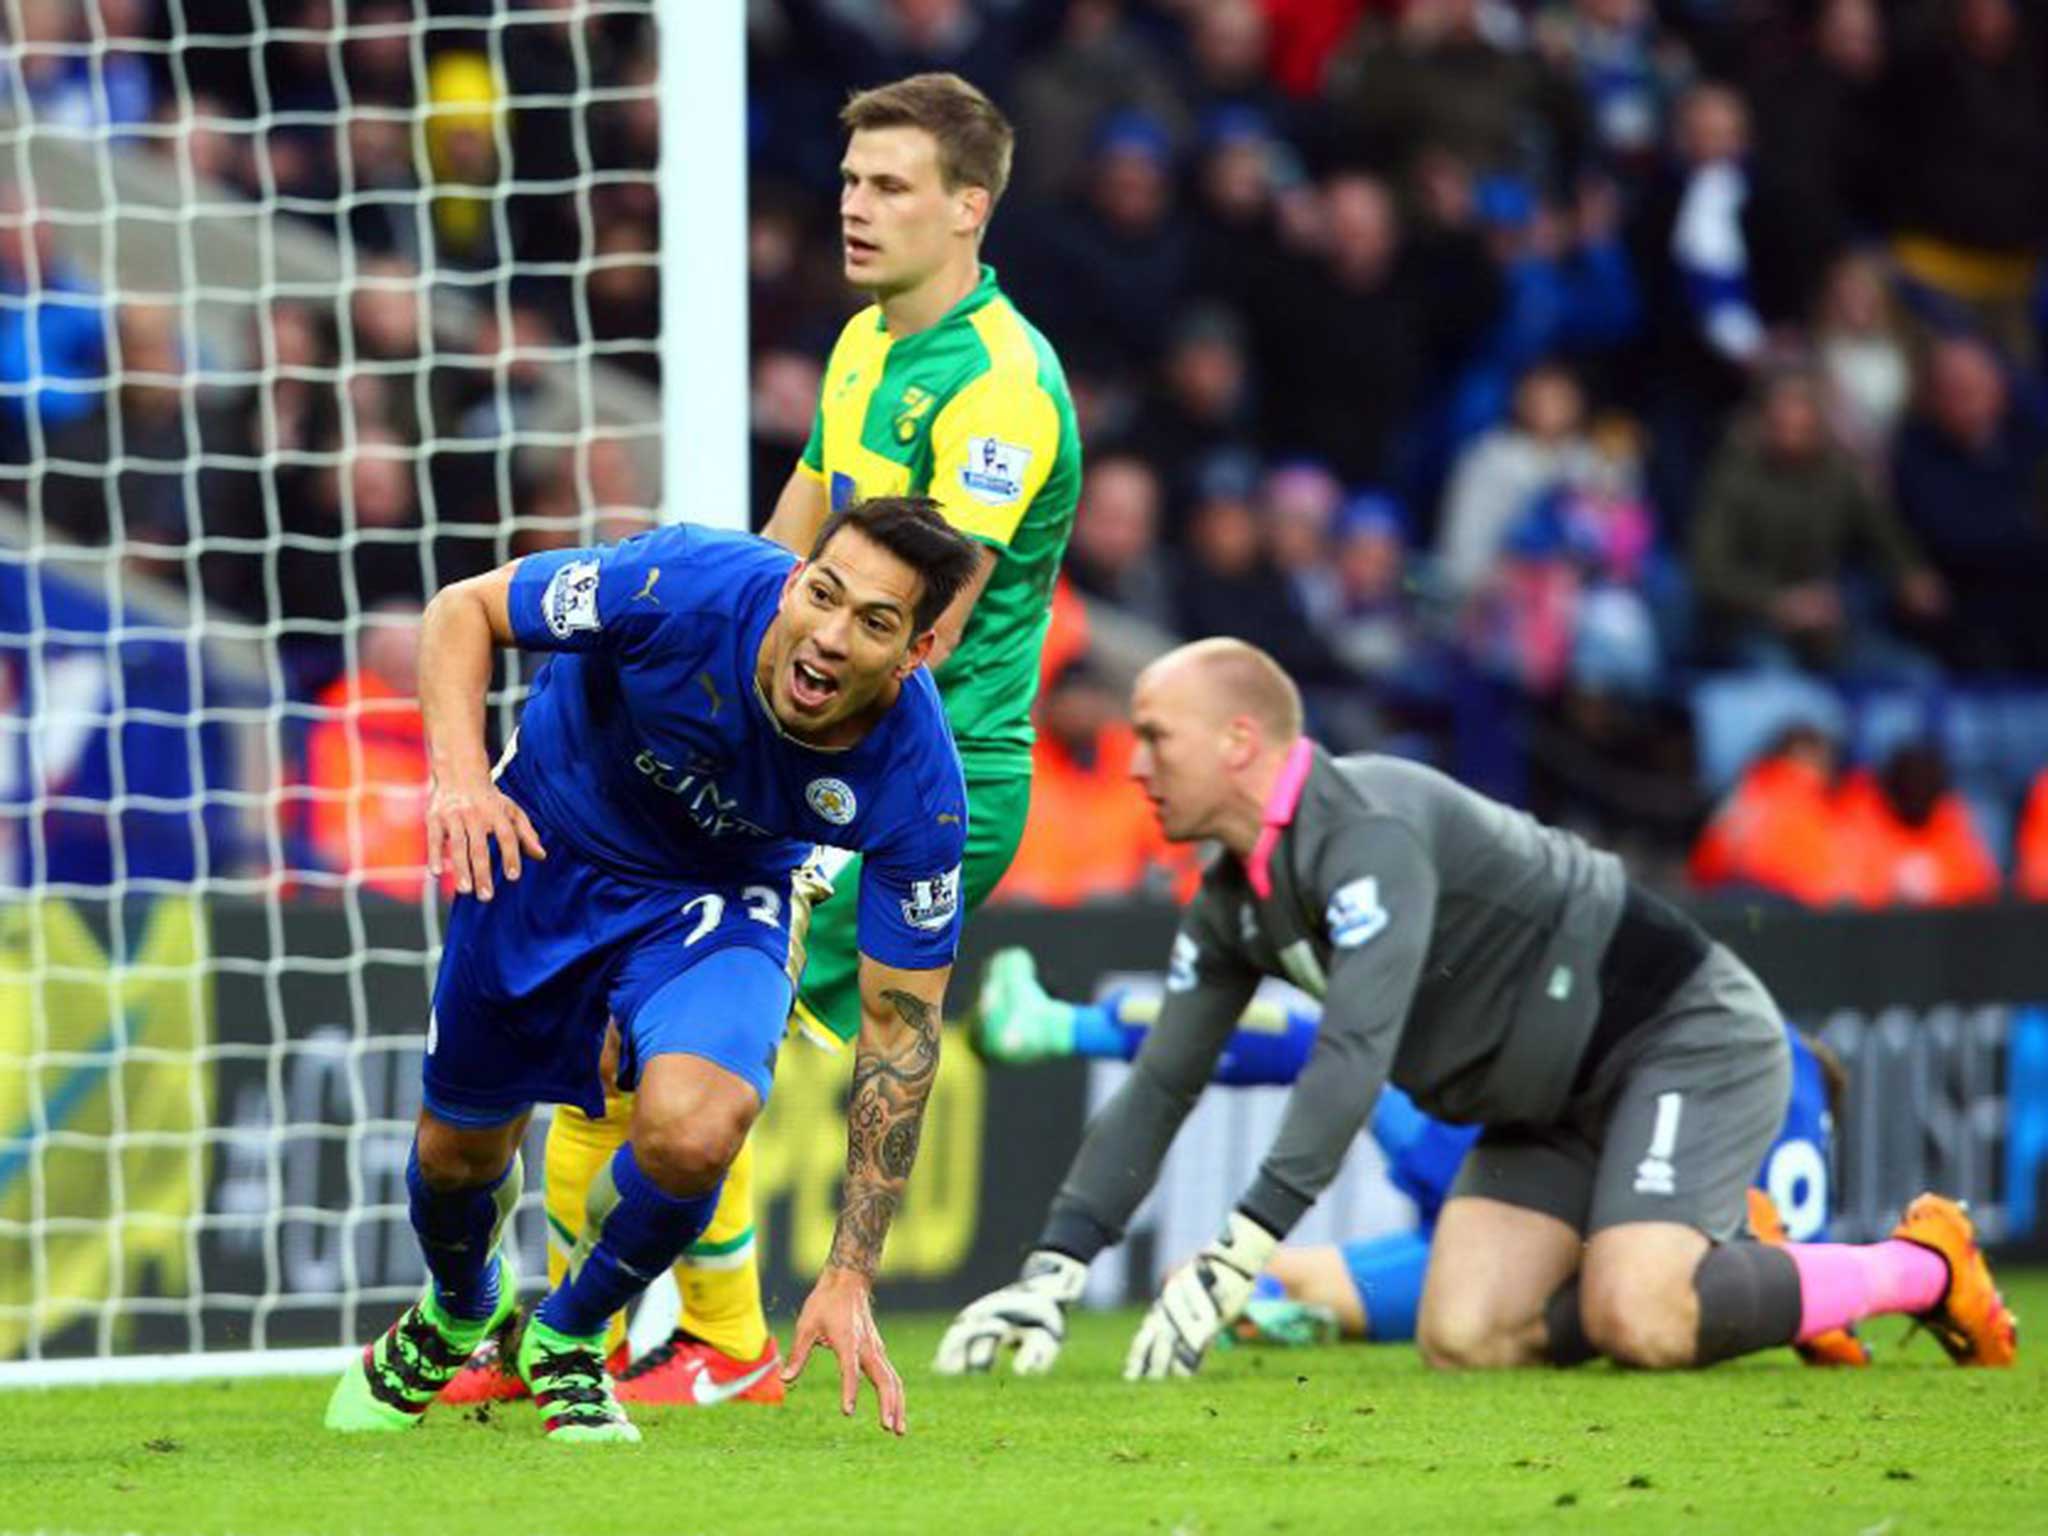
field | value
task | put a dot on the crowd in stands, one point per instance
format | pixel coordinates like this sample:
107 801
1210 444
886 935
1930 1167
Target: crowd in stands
1506 368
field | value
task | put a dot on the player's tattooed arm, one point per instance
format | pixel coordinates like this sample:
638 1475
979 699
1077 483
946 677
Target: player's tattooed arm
894 1068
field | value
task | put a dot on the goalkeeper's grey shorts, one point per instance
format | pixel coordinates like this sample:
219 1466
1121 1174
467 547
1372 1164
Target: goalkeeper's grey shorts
1672 1127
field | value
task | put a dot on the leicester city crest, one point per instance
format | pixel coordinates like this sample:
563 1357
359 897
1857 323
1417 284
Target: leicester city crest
832 799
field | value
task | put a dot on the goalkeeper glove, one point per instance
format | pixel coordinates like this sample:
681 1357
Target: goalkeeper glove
1198 1301
1030 1314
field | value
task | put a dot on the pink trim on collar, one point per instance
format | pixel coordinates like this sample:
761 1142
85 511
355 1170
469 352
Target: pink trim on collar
1280 808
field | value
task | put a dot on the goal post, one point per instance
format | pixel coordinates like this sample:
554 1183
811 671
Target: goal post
313 315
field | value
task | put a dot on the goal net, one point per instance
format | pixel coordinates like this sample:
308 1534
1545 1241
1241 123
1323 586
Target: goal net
306 308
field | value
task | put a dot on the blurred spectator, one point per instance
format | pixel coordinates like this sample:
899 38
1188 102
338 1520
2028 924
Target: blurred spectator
1693 258
1091 835
1305 34
783 402
794 291
1115 553
462 128
377 51
68 87
1860 345
1568 290
382 208
357 545
1380 630
1346 359
1626 75
590 493
211 146
1457 73
1238 257
1298 504
366 762
1230 586
1499 478
1203 406
1819 177
1109 274
390 336
866 41
1778 832
53 360
1966 158
623 293
1908 838
131 473
1227 51
1097 66
1969 481
2030 857
1782 521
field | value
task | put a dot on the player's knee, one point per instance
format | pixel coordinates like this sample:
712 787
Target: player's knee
1646 1332
1454 1338
456 1157
689 1156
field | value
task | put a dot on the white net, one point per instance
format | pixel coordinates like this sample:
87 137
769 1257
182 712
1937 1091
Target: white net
306 308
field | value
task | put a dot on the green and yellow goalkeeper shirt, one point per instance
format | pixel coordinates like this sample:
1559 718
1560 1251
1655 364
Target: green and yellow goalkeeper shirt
974 413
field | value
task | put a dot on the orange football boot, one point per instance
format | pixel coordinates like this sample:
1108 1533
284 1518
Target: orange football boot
1971 1320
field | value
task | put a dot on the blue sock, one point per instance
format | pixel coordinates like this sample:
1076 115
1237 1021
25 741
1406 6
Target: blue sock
641 1230
1097 1032
458 1230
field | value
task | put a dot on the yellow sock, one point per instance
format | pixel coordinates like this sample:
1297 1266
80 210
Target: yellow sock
720 1275
578 1147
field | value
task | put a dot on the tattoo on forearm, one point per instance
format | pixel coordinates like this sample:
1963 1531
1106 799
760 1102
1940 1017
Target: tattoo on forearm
884 1117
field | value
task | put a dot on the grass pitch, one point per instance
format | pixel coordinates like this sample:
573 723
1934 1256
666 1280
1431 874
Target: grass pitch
1346 1438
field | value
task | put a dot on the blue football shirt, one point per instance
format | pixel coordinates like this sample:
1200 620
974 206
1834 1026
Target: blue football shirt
647 743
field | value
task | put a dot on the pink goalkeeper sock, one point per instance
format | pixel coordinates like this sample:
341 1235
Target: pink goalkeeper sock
1840 1284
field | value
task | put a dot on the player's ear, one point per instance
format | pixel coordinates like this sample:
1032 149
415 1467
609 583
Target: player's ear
795 575
1240 742
914 656
971 207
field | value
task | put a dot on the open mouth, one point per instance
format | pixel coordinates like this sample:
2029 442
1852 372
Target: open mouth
811 689
858 249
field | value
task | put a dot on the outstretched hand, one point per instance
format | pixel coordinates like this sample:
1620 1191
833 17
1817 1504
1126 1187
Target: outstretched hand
839 1315
464 818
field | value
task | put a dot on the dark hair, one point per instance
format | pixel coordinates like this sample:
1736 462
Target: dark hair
973 136
913 530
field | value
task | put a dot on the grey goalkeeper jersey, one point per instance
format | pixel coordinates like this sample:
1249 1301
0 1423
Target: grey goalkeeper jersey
1455 944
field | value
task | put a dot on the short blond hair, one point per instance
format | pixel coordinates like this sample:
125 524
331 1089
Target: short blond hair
975 140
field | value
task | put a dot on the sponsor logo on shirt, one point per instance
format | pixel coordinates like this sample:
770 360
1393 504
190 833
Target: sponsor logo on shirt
994 471
1355 915
932 903
710 809
832 799
570 601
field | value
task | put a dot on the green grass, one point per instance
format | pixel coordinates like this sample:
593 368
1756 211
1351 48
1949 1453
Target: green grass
1347 1438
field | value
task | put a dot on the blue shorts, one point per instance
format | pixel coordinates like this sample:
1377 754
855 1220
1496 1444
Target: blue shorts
529 979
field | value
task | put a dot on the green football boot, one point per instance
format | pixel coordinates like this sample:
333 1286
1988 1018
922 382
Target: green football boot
571 1386
1016 1021
1284 1323
389 1385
